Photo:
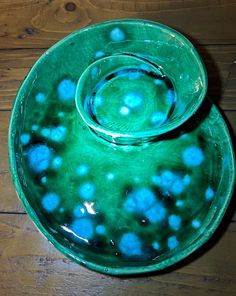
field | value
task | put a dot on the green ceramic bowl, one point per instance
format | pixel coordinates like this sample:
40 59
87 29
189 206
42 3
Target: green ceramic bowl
109 155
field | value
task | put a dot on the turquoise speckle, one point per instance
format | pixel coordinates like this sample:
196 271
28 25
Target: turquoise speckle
94 71
169 182
44 180
157 118
57 162
156 213
179 203
79 211
98 101
174 222
100 229
177 186
50 201
99 54
25 138
196 223
58 133
66 90
158 81
172 242
35 127
139 201
40 98
156 246
209 194
87 191
83 228
193 156
82 170
117 35
124 110
45 132
130 245
133 75
133 100
61 114
170 97
110 176
144 67
39 157
187 180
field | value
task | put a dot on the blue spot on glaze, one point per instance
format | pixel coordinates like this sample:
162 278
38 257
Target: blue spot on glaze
170 97
124 110
187 180
100 229
39 157
40 98
110 176
157 118
156 246
179 203
169 181
174 222
98 101
133 100
25 138
80 211
94 71
99 54
209 194
61 114
57 162
130 244
44 180
177 186
45 132
133 75
144 67
172 242
156 180
58 133
50 201
34 127
158 81
87 190
196 223
83 228
66 90
82 170
139 201
193 156
156 213
117 35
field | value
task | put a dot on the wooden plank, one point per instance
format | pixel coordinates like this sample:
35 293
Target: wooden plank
8 199
39 24
219 60
29 265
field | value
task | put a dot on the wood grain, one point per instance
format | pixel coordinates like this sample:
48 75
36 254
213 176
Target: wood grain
219 60
39 24
8 199
31 266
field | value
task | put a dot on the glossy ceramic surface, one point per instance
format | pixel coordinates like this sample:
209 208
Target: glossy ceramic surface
87 164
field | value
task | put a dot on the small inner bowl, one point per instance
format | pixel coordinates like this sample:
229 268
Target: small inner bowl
127 97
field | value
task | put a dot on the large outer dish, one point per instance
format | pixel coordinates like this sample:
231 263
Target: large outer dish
214 215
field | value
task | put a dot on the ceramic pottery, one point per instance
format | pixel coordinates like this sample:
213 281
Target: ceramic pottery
116 153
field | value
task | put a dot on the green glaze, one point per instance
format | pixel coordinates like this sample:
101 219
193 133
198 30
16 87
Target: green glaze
109 184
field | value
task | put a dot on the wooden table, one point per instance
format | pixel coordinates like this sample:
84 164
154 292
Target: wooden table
29 265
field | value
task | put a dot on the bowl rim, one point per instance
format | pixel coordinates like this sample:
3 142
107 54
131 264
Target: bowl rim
214 221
